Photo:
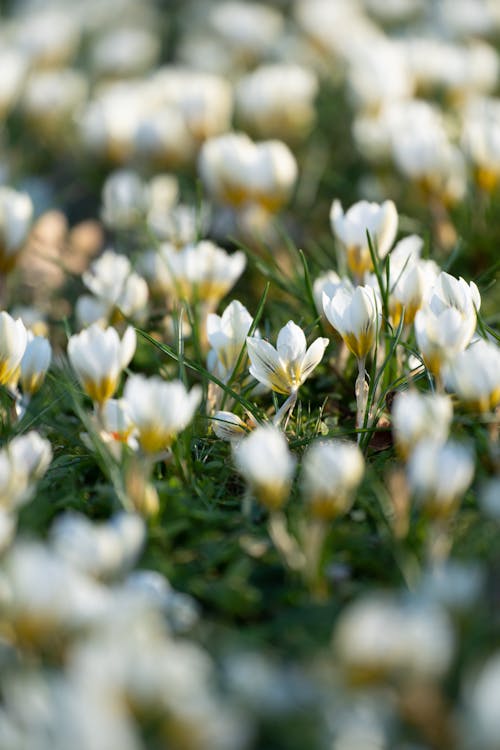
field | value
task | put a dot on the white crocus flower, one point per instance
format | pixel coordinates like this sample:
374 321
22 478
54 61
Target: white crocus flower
34 364
117 291
420 416
355 315
331 472
446 325
285 368
236 171
13 341
263 458
227 333
351 228
32 454
200 272
474 375
439 475
98 357
159 410
411 279
16 216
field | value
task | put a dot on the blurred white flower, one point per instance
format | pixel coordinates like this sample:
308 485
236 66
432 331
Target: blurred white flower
250 29
277 101
351 229
481 140
236 171
200 272
101 550
264 460
420 416
474 375
331 472
51 100
159 410
16 216
98 357
124 51
439 475
118 290
285 368
124 200
378 636
31 455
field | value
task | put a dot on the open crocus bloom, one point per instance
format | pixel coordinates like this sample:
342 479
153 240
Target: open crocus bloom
285 368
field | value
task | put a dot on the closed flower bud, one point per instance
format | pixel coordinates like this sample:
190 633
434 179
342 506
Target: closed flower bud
34 364
267 465
285 368
98 357
355 315
13 341
228 426
331 472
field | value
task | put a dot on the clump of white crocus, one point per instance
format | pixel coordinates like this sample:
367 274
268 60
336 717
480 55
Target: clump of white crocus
159 410
264 460
474 375
380 221
98 357
34 364
277 101
227 334
439 475
445 326
285 368
236 171
379 637
420 416
355 314
331 472
16 216
118 292
13 341
200 272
